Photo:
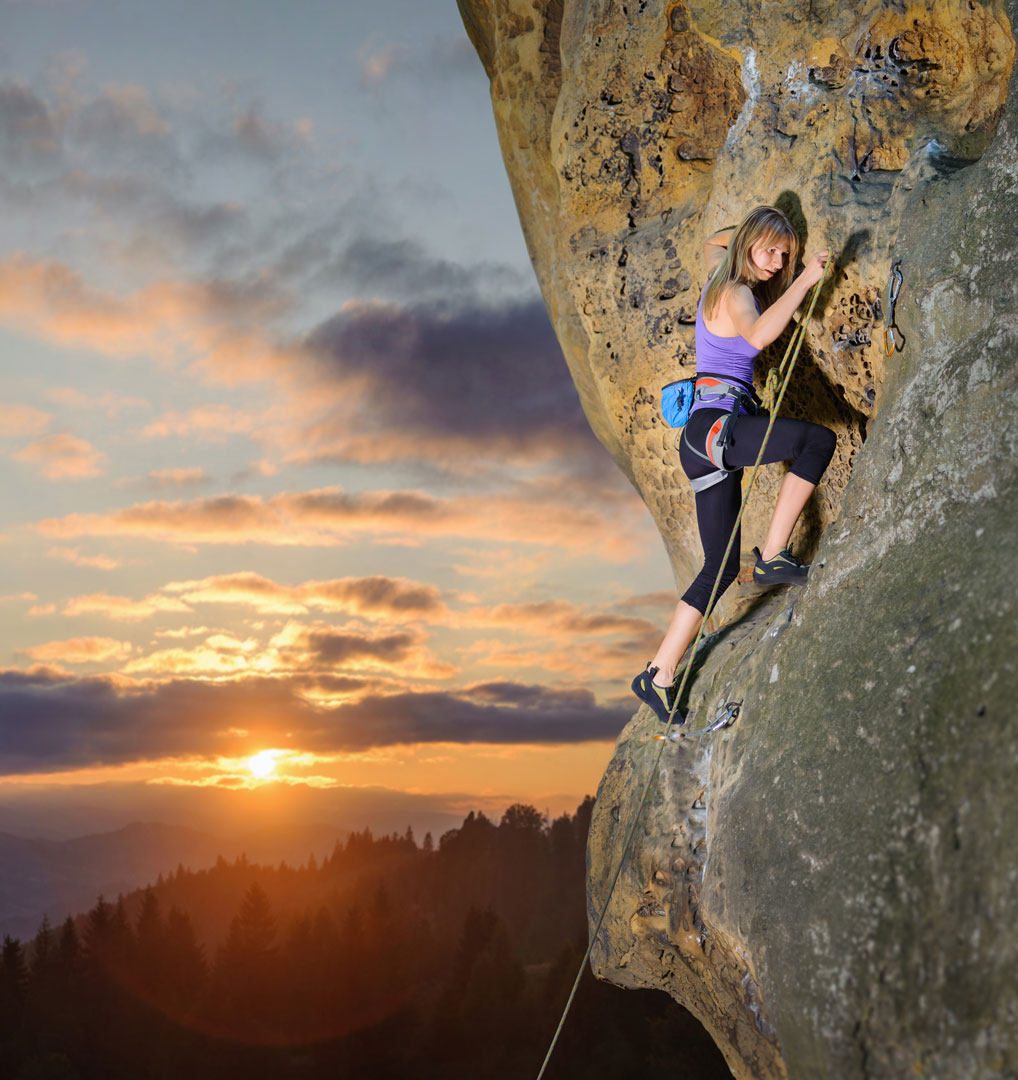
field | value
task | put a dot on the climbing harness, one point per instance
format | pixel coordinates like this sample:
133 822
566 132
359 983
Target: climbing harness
677 400
893 288
726 714
791 355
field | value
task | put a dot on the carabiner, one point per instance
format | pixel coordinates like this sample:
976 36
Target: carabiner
894 285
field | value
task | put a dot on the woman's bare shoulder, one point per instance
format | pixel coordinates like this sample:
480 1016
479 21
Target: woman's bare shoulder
738 294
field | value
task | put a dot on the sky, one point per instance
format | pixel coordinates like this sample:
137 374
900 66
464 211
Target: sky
298 498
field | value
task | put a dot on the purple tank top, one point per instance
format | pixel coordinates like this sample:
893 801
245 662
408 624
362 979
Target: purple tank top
732 356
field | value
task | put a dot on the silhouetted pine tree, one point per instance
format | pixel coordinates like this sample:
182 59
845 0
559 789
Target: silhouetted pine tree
13 991
247 968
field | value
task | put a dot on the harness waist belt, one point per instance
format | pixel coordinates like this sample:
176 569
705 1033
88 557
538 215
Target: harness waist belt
710 388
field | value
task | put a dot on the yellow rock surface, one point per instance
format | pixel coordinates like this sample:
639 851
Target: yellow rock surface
633 130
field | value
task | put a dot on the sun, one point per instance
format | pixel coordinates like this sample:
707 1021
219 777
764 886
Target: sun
263 764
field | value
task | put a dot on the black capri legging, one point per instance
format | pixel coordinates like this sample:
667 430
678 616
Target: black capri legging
809 447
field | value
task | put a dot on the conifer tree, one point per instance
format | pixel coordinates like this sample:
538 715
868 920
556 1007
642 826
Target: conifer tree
43 949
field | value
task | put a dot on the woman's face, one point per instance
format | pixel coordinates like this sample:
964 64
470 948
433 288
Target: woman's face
768 256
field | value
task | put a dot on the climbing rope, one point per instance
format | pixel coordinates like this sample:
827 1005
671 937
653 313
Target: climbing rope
790 357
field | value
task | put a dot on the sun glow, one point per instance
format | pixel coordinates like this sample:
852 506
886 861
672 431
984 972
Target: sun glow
263 764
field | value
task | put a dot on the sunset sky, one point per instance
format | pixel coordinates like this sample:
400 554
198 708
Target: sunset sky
292 464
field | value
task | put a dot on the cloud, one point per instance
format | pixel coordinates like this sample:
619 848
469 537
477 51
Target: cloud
206 423
123 608
593 662
177 478
219 655
559 617
82 650
398 267
123 124
441 59
108 402
50 722
261 468
539 513
160 320
297 650
322 646
18 421
379 63
395 598
63 457
10 598
27 133
257 135
73 555
662 602
448 382
182 632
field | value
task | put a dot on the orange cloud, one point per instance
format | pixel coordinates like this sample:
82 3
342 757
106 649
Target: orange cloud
219 655
208 423
163 320
559 617
82 650
329 516
63 457
315 654
108 402
166 478
73 555
18 421
376 595
123 607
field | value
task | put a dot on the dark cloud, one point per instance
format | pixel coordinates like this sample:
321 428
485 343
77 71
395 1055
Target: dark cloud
27 133
479 378
122 128
335 647
401 268
54 723
383 594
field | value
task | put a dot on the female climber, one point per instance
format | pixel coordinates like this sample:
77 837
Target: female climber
750 297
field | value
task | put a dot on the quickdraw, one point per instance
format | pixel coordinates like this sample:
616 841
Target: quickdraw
726 714
893 288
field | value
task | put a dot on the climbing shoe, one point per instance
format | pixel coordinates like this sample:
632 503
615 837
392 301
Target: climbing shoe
783 569
659 698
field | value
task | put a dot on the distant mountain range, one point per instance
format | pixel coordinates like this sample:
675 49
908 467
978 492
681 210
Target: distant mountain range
63 877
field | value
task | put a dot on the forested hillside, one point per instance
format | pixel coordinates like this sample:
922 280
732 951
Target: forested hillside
387 959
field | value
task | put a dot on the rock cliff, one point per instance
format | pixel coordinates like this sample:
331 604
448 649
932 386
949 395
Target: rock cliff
831 883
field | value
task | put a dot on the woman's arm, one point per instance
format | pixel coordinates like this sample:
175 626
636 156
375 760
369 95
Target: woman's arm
761 328
714 249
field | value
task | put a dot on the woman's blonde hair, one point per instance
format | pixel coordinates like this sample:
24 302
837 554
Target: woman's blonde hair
764 223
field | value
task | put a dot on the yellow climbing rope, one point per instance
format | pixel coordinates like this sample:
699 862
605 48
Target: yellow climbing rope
782 376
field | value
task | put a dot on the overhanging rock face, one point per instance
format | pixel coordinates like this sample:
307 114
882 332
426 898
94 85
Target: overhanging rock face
831 883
